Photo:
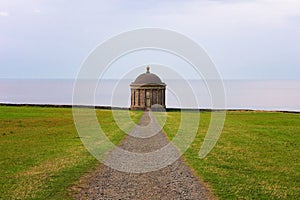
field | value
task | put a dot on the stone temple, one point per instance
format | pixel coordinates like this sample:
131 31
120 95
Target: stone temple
147 91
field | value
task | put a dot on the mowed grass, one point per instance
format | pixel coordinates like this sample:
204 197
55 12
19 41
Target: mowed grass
41 153
256 157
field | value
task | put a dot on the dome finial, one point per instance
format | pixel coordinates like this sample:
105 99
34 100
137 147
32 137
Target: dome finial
148 69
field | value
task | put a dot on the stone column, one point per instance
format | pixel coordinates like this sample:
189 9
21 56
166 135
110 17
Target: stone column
145 98
130 98
133 97
157 100
136 97
151 101
163 97
139 95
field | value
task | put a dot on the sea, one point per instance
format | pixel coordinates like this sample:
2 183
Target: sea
274 95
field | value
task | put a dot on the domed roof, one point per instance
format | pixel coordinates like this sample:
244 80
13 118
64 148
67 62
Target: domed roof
148 78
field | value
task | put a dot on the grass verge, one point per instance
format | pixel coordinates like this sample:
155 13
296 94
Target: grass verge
256 157
41 153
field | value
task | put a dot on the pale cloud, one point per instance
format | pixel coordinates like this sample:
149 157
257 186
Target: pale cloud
36 10
241 36
226 16
4 14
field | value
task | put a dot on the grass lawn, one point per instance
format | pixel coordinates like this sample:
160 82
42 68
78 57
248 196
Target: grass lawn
256 157
41 153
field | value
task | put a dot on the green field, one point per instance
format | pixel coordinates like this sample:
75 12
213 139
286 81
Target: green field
41 153
257 156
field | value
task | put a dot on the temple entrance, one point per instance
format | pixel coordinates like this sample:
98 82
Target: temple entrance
148 104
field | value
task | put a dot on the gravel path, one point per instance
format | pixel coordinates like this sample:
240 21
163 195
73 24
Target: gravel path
175 181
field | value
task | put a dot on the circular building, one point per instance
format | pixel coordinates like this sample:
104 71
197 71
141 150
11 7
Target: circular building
147 90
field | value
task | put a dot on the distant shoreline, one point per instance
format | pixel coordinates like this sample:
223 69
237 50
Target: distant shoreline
127 108
239 95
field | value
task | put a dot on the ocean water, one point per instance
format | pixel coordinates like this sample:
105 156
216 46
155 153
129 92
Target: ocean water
240 94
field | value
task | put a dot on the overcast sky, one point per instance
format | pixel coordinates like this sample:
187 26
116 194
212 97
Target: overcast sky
246 39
